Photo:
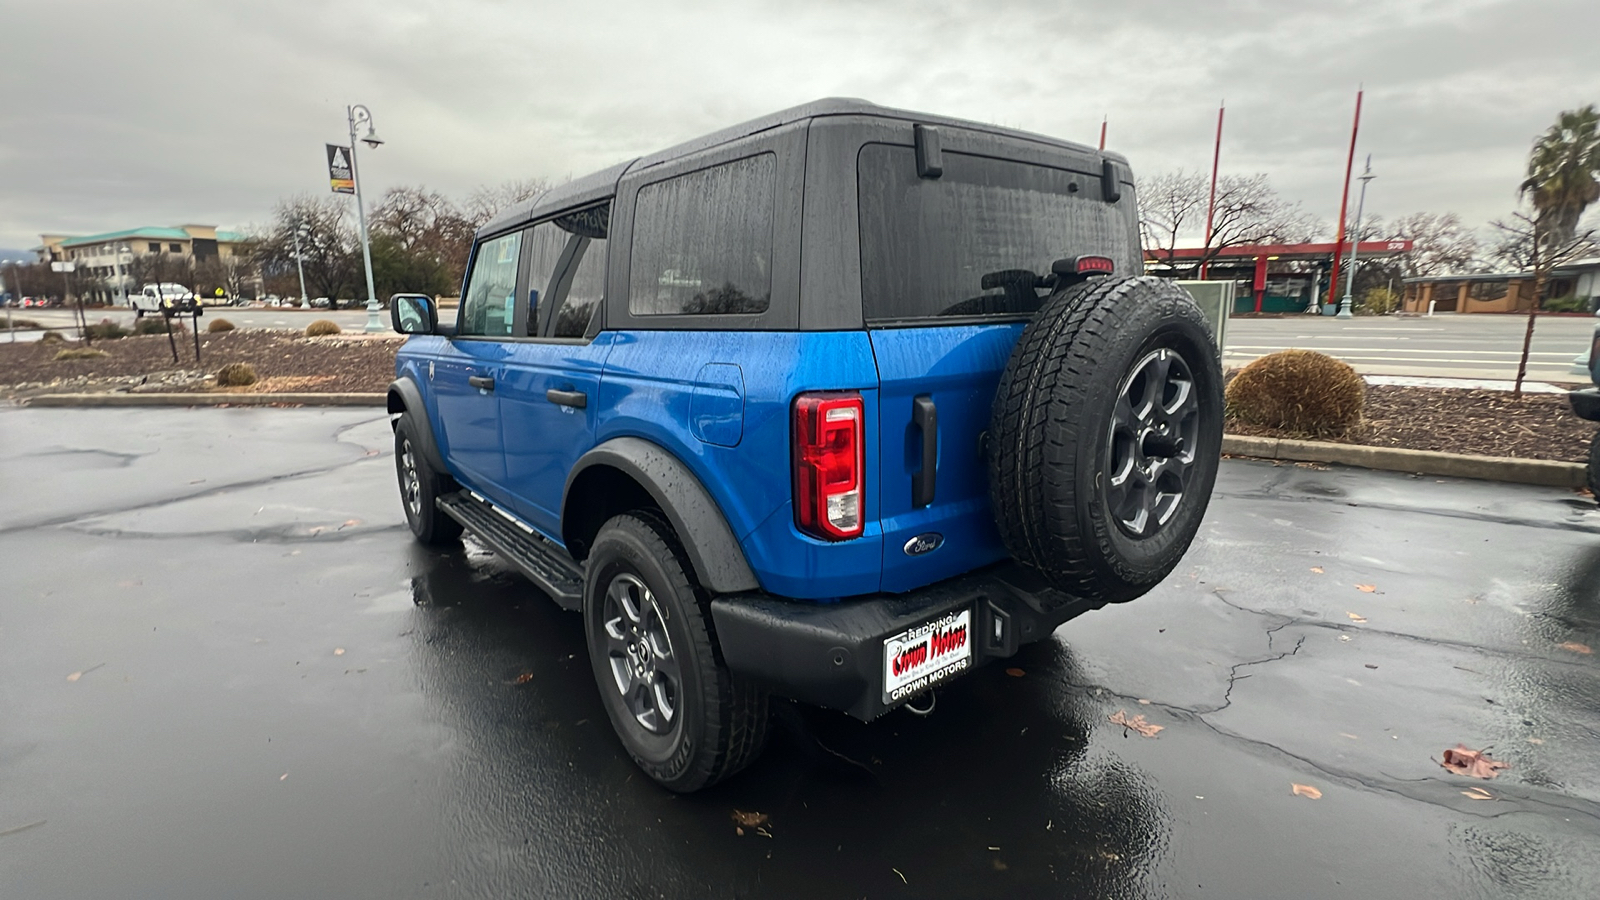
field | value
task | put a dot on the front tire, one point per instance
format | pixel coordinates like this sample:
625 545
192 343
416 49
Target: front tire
682 716
1592 474
420 486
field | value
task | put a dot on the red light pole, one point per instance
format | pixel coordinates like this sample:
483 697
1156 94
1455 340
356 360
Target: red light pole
1344 206
1211 206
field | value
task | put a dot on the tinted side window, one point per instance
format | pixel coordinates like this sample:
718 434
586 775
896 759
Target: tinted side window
702 242
583 297
489 306
546 242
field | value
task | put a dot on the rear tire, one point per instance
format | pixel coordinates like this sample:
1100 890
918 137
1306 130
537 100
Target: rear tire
682 716
1106 437
420 486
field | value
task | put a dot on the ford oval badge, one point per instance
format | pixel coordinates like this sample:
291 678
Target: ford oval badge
924 543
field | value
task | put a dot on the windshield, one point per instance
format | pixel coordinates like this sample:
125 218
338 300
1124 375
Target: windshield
980 239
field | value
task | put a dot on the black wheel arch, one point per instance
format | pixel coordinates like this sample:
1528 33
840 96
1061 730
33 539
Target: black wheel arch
405 397
627 473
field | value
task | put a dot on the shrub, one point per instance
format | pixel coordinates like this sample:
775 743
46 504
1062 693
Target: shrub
1567 304
321 327
106 330
236 375
156 325
80 353
1378 301
25 325
1300 391
51 337
219 325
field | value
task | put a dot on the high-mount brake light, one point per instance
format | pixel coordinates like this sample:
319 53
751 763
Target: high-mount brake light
829 463
1095 265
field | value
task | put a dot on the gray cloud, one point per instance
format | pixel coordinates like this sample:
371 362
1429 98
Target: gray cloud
171 111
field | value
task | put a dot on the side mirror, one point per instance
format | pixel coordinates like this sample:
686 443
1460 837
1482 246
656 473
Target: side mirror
413 314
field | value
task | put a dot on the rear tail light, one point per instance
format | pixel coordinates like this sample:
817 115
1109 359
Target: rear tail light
829 460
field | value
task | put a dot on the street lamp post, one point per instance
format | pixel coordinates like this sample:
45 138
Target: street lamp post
300 263
1355 242
122 278
360 115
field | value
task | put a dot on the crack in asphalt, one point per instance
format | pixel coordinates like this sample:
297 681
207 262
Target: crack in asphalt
207 492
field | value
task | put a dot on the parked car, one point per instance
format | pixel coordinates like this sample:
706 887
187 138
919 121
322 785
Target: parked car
834 405
320 303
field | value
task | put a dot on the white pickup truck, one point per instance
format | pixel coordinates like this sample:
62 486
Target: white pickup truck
153 298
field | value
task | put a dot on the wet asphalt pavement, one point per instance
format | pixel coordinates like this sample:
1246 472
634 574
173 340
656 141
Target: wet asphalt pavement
227 671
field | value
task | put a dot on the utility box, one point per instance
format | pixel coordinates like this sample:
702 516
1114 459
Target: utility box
1215 299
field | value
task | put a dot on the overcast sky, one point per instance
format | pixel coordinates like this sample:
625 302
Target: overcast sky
114 115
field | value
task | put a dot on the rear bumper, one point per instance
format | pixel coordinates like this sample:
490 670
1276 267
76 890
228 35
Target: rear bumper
1586 403
832 654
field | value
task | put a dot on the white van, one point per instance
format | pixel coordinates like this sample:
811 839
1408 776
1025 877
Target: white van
153 298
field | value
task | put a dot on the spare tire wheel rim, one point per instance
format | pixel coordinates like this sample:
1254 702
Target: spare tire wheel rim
1150 446
639 653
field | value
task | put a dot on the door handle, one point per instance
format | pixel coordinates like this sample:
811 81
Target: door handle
483 382
926 417
574 399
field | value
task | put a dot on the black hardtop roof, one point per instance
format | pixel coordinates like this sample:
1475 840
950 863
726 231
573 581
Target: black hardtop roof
599 185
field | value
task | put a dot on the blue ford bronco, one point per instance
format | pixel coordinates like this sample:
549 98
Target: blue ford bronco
833 405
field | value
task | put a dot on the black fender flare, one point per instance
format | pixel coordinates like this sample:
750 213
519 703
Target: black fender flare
405 397
718 560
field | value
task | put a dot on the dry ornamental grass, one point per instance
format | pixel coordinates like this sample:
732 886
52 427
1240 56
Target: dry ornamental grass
1299 391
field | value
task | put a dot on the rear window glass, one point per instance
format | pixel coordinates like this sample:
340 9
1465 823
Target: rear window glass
977 240
702 242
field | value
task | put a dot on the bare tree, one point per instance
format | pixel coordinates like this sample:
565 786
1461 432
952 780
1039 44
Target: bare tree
1172 211
487 202
327 243
1440 244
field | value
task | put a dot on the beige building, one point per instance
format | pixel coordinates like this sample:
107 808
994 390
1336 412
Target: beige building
107 256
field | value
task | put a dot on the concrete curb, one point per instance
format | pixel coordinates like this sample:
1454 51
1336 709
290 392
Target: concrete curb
1423 462
219 399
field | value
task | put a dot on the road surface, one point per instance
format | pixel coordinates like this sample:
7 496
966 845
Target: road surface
226 670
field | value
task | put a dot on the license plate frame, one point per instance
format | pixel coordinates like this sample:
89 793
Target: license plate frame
927 654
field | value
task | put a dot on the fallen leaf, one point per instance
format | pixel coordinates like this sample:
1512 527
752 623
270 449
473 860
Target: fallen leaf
739 831
1366 588
1477 794
283 776
1535 740
1305 790
1575 647
1136 723
749 819
1015 673
1344 637
338 651
1356 618
1317 569
350 523
524 678
74 676
1144 702
1473 763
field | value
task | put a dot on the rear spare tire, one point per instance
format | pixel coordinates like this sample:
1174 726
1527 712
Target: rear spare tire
1106 435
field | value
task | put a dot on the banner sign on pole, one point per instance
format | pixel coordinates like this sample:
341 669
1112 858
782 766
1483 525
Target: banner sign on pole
339 174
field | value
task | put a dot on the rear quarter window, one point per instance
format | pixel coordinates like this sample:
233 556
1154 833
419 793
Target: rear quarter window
974 241
702 242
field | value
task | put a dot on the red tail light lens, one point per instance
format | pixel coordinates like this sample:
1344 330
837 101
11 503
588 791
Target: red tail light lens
1095 265
829 458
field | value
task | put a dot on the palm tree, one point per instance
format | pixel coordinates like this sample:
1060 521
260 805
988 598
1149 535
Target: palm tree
1564 172
1563 180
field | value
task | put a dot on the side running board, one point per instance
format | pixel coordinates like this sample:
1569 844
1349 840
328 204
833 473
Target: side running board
544 563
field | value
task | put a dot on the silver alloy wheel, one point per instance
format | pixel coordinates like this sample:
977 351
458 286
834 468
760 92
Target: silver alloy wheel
1150 446
639 653
410 481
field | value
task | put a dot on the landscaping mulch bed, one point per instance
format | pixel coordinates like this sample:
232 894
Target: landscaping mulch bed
1481 423
283 361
